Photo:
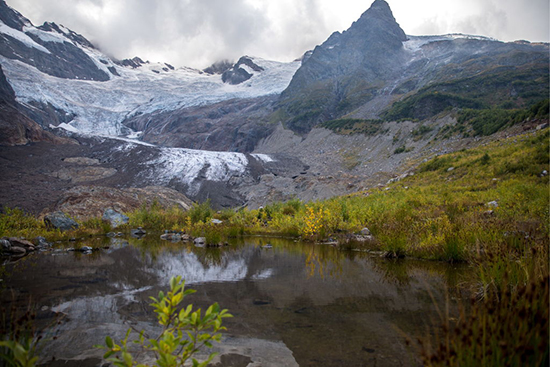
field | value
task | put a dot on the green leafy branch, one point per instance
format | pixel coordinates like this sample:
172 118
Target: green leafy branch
184 331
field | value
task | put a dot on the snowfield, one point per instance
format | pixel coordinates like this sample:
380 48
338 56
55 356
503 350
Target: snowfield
415 43
101 107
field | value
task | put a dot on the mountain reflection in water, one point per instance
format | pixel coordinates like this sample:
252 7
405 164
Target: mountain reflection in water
293 303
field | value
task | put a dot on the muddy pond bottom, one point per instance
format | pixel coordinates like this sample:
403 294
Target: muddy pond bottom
294 304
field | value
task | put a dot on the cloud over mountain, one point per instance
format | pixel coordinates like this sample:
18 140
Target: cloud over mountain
197 33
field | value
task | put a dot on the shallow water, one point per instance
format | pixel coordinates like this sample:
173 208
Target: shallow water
294 304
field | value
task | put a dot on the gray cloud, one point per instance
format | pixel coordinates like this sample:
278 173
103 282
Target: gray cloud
198 32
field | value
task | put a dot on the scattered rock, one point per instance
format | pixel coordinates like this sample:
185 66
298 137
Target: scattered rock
17 251
19 242
59 220
41 243
115 218
361 238
200 241
137 233
15 246
174 237
5 245
365 232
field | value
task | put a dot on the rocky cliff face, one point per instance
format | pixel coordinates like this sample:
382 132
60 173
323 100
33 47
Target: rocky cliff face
236 125
241 71
15 127
347 69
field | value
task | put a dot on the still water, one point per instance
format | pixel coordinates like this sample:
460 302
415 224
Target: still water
294 304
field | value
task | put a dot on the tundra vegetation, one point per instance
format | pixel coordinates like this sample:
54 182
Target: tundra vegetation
487 206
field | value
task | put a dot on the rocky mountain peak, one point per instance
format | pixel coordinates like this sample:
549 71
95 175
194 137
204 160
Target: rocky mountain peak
73 36
241 71
134 63
11 17
326 86
380 9
219 67
378 22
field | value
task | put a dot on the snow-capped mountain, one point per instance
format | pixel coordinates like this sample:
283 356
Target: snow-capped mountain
374 70
164 118
106 92
99 108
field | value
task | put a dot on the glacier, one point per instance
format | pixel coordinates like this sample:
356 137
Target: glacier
101 107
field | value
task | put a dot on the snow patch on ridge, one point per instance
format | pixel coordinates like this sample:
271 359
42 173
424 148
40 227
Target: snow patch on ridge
46 36
263 158
415 43
22 37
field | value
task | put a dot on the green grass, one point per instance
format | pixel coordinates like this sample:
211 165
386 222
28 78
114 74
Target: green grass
510 329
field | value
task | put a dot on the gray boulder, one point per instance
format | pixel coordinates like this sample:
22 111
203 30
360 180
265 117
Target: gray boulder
61 221
42 243
174 237
365 232
200 242
14 246
138 233
115 218
5 245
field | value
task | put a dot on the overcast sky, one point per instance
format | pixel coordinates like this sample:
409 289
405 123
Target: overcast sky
196 33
